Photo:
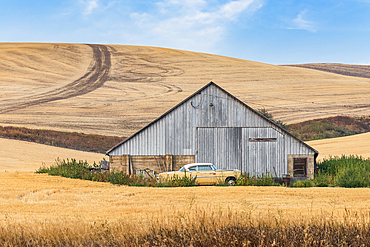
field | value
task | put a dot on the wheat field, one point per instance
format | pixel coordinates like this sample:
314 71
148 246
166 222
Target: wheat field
25 156
356 145
53 210
116 90
28 196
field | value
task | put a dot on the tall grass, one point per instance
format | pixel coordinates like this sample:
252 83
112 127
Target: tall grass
346 171
203 227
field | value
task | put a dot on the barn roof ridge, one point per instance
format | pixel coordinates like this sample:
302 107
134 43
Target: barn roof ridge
197 92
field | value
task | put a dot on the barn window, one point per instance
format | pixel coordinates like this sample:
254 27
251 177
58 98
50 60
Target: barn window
300 167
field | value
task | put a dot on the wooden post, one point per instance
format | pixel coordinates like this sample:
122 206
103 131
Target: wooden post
168 162
130 166
125 163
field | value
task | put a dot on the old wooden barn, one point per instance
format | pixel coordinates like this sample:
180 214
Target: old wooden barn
212 125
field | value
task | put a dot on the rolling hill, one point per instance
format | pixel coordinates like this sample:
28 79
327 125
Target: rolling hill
337 68
356 145
28 156
115 90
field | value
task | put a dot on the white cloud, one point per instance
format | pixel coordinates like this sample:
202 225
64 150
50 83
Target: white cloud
189 24
301 23
89 6
233 9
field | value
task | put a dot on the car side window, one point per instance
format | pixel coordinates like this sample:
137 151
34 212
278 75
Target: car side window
205 168
192 169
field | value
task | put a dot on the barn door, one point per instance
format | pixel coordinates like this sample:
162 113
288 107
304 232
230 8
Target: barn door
220 146
261 148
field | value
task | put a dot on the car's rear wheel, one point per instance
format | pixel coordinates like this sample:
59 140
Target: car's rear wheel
230 181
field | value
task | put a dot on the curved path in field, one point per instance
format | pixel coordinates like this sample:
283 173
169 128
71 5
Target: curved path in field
93 79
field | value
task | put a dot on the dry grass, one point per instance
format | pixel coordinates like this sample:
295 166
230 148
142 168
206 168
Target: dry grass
42 197
356 144
58 210
144 82
27 156
342 69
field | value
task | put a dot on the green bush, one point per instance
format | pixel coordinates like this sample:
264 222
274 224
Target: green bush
321 184
302 184
354 178
80 170
177 181
256 180
346 171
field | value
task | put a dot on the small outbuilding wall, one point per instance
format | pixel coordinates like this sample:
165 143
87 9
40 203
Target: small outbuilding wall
133 164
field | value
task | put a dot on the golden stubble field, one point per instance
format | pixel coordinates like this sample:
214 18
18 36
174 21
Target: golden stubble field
25 156
115 90
347 145
53 211
28 197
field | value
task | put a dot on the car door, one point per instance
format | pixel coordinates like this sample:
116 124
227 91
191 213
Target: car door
206 175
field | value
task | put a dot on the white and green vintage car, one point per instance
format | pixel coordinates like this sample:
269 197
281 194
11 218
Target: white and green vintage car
203 173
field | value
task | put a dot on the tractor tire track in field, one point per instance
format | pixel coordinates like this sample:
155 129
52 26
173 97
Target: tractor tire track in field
94 78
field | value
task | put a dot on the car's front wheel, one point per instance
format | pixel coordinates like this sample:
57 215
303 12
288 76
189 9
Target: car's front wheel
230 181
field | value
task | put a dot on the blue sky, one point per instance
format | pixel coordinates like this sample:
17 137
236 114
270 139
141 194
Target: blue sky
275 32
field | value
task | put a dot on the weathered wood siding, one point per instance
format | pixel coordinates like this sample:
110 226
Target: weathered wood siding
216 127
220 146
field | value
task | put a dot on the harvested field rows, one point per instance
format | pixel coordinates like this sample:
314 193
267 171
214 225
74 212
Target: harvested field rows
56 86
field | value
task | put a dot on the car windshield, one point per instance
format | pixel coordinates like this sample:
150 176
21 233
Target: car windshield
213 167
182 169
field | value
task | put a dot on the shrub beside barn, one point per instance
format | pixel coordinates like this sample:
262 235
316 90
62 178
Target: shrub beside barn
214 126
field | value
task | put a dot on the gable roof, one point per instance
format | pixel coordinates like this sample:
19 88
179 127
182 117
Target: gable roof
197 92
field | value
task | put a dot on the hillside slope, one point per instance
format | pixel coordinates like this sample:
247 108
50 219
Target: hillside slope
115 90
356 144
28 156
337 68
